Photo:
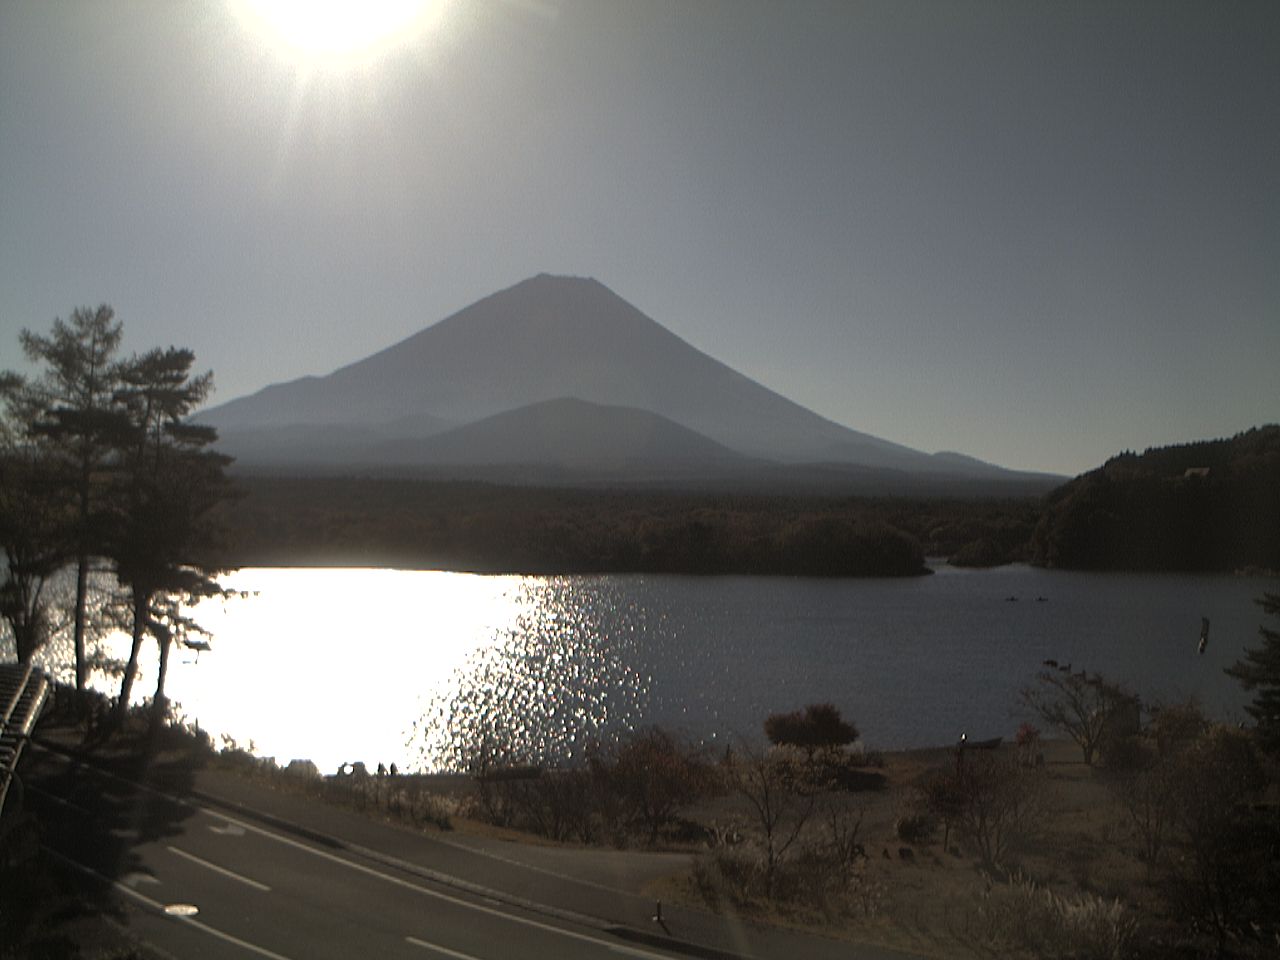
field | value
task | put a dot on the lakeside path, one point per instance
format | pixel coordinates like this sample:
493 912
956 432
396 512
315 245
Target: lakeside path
278 874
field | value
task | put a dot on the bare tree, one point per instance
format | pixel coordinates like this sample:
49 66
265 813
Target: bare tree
1148 799
780 796
1081 705
990 799
842 818
655 775
944 797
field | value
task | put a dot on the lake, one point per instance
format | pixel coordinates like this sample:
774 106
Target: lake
417 667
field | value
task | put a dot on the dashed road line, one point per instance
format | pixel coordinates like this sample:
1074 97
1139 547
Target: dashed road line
159 908
397 881
435 947
222 870
456 901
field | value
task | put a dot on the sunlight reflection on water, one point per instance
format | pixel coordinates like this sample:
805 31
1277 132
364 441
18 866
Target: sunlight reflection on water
333 657
559 678
343 660
428 669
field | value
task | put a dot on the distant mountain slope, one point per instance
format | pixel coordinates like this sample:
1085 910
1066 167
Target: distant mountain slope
1213 505
545 339
566 433
320 444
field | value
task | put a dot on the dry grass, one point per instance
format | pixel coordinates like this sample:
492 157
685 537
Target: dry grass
1073 887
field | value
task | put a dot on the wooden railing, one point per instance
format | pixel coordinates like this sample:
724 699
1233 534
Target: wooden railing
23 691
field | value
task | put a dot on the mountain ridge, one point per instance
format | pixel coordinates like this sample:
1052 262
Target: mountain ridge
548 338
566 432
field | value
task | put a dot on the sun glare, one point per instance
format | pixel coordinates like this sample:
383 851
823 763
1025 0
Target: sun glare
334 32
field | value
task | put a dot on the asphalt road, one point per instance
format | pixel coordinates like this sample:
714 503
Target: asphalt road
203 884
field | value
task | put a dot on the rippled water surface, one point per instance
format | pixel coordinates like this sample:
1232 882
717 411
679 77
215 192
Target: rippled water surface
423 668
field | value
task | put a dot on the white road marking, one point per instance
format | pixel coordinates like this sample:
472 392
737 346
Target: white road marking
132 880
222 870
227 830
369 871
456 901
426 944
478 852
58 800
160 909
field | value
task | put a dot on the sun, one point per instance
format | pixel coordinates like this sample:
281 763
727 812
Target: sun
328 33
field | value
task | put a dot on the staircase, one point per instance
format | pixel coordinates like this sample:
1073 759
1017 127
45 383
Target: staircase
23 691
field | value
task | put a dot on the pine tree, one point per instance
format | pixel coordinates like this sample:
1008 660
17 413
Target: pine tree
34 527
171 480
1259 673
72 405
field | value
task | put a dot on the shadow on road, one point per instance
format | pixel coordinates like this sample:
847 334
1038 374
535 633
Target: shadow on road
89 799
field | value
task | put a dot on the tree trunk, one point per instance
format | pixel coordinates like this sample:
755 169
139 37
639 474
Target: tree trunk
139 634
23 619
160 702
82 594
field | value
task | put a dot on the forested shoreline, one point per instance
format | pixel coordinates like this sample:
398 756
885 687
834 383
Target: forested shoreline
485 528
1212 506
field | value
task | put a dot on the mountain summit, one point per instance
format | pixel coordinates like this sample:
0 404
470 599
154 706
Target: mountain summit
548 338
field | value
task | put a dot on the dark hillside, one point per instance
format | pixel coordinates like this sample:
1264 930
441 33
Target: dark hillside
1204 506
287 521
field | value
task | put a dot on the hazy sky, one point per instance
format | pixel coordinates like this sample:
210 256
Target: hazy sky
1038 233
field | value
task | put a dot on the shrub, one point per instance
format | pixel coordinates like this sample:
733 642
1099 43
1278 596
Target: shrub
871 759
726 876
1025 916
426 808
817 882
780 795
1227 880
1122 753
1174 727
990 799
915 828
653 775
1148 802
638 787
1028 740
557 804
819 726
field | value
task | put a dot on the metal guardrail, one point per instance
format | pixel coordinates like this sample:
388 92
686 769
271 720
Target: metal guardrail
23 692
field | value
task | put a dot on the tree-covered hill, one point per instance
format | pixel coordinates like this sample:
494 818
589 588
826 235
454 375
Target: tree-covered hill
540 530
1213 505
